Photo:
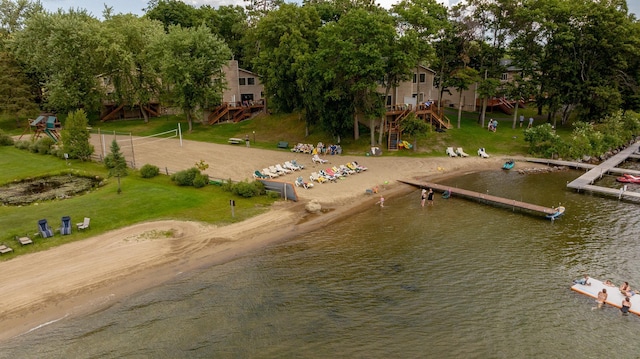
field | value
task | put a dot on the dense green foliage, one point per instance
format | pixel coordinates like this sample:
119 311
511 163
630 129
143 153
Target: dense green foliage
116 163
244 188
75 136
149 171
190 177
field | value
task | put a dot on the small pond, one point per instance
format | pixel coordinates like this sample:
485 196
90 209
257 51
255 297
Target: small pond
45 188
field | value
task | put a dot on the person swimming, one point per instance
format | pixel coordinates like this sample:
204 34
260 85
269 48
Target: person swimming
626 305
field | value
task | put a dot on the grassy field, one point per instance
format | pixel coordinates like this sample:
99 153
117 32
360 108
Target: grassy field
140 200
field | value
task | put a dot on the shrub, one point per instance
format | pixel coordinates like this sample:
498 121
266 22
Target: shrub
149 171
5 140
42 146
244 188
186 177
200 180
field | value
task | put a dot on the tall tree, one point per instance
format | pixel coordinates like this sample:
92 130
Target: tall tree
231 24
116 163
124 49
351 57
171 13
59 49
190 61
75 136
287 39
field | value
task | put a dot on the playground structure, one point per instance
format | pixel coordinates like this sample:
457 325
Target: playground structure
47 124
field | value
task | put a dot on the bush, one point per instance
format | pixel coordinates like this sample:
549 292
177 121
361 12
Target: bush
42 146
244 188
149 171
200 180
22 145
5 140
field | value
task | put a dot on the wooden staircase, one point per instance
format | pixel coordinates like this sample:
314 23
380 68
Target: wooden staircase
394 136
233 112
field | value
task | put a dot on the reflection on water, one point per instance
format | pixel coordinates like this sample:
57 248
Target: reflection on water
456 280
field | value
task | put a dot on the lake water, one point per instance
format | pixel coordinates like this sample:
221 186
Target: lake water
456 280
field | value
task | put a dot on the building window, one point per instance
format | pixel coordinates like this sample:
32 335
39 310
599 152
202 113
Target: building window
423 78
251 81
242 81
415 78
505 76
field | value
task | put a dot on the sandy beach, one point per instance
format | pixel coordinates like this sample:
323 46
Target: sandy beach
88 275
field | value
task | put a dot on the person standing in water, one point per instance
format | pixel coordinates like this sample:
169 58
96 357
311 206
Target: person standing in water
423 197
430 197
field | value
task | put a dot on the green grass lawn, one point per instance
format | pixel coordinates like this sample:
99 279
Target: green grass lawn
140 200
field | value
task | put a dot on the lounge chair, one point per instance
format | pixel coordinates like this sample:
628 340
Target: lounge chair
295 163
268 173
346 170
24 240
451 152
301 183
482 153
331 178
282 169
44 229
273 169
315 177
361 167
291 166
84 224
65 226
461 153
317 159
332 173
258 175
4 249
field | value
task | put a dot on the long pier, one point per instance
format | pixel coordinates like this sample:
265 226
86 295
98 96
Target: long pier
483 197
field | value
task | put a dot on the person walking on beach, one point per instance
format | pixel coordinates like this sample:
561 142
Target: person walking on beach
430 197
381 201
423 197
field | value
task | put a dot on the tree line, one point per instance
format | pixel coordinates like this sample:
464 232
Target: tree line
325 58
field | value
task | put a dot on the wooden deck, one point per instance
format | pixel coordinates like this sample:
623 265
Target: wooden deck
483 197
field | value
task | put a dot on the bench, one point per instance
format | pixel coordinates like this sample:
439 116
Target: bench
235 141
283 144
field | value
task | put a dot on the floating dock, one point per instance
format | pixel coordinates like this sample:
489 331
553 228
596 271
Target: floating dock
483 197
614 297
595 172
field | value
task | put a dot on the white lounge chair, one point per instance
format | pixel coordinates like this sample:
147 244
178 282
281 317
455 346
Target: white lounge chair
282 169
4 249
317 159
267 172
273 169
482 153
461 153
291 166
84 224
451 152
295 163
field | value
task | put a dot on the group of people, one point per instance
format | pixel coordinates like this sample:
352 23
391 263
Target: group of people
323 149
522 121
625 290
426 196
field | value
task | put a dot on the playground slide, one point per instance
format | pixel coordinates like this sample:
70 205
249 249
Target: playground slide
51 135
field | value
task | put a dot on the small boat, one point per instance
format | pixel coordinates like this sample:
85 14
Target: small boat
627 178
508 165
559 212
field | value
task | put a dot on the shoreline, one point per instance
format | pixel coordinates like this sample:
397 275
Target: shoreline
87 276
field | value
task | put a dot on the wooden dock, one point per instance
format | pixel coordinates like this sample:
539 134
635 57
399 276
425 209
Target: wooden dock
596 172
483 197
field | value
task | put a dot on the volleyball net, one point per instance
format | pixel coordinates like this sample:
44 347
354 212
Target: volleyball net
128 143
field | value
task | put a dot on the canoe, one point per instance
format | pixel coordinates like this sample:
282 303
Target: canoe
508 165
559 212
